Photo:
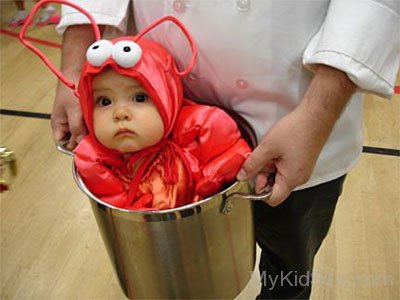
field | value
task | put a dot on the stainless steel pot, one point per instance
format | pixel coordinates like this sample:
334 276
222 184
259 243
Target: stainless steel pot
201 250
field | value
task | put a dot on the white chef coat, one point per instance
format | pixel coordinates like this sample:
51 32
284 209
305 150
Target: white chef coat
256 56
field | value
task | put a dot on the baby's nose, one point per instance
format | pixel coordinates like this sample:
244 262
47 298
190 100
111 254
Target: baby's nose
121 113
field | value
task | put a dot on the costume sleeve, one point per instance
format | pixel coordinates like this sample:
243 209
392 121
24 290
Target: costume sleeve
113 13
222 169
205 131
98 178
212 136
361 38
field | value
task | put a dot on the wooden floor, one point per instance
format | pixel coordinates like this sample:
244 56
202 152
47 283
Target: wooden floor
50 246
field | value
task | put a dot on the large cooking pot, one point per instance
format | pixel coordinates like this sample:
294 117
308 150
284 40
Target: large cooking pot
201 250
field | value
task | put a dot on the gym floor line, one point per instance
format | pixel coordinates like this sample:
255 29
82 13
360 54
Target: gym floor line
37 115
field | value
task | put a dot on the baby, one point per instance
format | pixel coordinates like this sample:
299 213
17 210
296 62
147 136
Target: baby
149 148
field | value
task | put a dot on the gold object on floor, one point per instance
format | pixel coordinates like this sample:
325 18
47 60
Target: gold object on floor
8 168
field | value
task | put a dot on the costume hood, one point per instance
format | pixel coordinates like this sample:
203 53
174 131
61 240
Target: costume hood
134 56
154 69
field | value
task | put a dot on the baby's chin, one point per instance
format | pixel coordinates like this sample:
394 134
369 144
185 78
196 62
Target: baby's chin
126 149
121 148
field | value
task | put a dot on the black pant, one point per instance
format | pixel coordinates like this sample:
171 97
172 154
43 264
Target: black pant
290 236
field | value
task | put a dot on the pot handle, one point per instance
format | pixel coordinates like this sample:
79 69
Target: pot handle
263 196
63 149
228 203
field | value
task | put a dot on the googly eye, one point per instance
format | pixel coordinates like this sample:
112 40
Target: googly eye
99 52
126 53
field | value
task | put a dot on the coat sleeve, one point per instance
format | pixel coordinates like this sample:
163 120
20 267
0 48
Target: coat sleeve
213 137
360 38
98 178
113 13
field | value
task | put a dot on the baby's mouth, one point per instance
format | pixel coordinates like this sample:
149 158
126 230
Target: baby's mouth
124 131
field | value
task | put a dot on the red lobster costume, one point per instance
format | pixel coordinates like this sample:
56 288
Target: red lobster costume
201 149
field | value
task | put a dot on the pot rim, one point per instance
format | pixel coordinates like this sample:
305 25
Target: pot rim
193 207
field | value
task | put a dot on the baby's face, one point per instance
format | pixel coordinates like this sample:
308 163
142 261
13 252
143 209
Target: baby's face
124 117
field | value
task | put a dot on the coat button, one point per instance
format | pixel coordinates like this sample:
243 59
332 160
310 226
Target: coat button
241 83
243 5
192 77
179 6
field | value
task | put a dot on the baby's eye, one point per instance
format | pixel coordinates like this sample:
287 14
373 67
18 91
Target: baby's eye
103 101
140 98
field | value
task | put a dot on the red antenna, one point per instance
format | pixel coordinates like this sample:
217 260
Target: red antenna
24 40
187 34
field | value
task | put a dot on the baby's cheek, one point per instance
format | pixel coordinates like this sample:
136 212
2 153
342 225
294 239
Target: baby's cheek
100 127
156 133
96 123
158 125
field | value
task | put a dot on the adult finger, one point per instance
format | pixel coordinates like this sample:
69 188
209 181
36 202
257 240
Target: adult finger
77 127
265 178
280 191
261 182
59 126
261 158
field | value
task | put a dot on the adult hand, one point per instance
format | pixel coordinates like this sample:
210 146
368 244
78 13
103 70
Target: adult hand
291 147
66 118
289 150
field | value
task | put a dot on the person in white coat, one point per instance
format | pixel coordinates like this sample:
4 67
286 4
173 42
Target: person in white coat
295 70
